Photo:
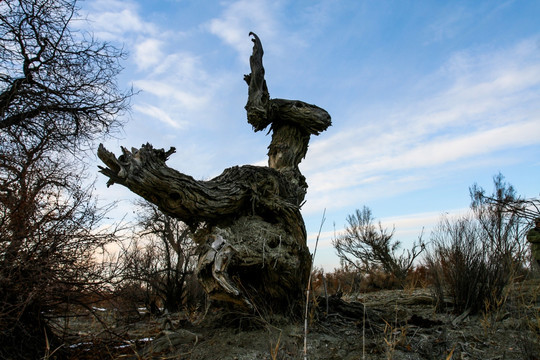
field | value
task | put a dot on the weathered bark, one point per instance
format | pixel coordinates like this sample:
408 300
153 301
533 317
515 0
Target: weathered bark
247 220
250 231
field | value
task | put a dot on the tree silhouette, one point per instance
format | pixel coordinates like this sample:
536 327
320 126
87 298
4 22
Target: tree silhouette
57 93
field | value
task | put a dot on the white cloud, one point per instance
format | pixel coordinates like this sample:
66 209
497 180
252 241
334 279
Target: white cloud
148 53
387 173
440 152
408 229
159 114
166 89
177 80
241 17
183 66
174 82
407 226
114 20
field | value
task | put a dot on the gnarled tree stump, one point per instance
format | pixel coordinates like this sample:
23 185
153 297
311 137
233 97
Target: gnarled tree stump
246 221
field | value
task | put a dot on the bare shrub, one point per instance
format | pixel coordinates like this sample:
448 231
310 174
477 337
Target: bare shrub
503 231
344 280
460 263
347 280
160 261
418 277
371 249
49 236
473 258
58 93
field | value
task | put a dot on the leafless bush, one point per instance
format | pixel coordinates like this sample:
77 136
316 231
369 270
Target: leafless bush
49 234
344 280
418 277
58 92
461 263
503 231
371 249
474 257
160 261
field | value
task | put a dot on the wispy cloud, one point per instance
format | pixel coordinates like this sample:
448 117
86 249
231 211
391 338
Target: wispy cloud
484 103
241 17
112 20
270 20
148 53
168 89
448 25
172 79
158 114
408 227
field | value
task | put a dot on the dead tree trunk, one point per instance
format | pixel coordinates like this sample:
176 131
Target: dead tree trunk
246 221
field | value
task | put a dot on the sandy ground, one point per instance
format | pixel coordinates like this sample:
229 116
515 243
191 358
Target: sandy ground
397 324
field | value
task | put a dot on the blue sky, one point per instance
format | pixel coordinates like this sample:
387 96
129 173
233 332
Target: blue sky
426 97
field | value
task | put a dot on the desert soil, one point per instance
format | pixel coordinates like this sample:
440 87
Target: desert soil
397 324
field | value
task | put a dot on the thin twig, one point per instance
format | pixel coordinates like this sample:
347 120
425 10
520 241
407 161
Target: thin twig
309 285
364 333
